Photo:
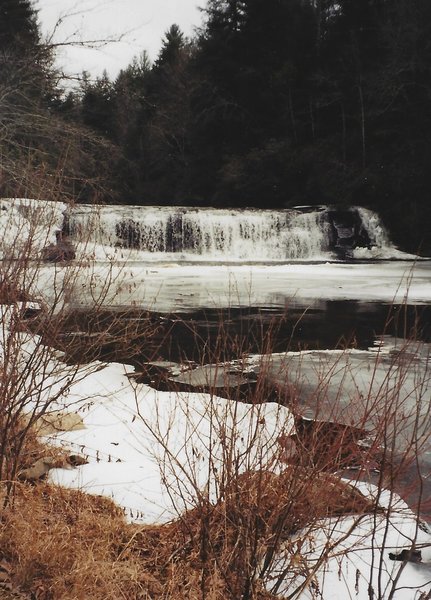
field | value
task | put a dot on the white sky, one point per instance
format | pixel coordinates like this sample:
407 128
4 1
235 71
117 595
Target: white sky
141 23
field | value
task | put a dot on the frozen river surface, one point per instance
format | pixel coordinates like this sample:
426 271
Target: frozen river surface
177 287
145 445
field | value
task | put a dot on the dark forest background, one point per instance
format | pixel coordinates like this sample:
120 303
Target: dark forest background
273 103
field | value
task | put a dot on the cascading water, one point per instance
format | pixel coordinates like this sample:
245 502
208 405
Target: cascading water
228 235
375 230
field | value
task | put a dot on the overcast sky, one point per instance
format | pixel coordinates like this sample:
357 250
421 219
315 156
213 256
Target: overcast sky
141 23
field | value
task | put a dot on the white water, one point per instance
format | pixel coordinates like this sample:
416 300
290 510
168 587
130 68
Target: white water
192 235
371 222
126 457
221 235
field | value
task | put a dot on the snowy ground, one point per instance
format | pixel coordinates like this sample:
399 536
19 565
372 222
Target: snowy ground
153 452
357 563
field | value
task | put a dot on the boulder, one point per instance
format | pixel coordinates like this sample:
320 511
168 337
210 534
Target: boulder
414 556
62 251
38 470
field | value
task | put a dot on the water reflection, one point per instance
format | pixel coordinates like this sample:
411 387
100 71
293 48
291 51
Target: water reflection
326 324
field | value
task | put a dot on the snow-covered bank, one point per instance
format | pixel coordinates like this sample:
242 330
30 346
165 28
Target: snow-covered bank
356 557
156 452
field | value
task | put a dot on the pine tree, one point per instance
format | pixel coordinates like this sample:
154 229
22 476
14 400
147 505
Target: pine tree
25 62
165 117
171 47
18 26
256 58
98 104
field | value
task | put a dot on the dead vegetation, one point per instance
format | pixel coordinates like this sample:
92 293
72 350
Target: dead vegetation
10 292
62 544
66 544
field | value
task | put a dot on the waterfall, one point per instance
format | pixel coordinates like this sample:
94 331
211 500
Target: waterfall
374 227
228 235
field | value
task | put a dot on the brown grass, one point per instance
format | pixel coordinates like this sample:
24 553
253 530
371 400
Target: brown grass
64 544
69 544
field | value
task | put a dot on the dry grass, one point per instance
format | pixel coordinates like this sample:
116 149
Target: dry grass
69 545
63 544
10 292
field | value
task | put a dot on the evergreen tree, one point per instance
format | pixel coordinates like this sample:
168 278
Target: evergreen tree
97 104
172 45
24 83
155 129
131 107
255 58
24 60
18 26
130 96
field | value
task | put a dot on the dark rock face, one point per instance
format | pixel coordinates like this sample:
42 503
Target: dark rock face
129 234
234 235
347 232
61 251
178 236
405 555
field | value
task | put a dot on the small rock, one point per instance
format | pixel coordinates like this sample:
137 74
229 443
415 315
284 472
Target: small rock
75 460
61 251
38 470
414 556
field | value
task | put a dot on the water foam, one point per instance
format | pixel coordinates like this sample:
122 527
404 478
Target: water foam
220 235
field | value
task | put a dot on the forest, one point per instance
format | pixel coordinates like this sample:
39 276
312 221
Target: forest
214 404
272 104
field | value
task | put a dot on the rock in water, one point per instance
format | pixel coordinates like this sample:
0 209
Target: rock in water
61 251
405 555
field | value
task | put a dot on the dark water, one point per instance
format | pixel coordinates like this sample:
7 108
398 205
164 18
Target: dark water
209 335
215 336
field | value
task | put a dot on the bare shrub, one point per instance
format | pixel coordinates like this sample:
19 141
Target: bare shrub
252 481
257 499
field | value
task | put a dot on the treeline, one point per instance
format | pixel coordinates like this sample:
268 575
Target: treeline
43 151
274 103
